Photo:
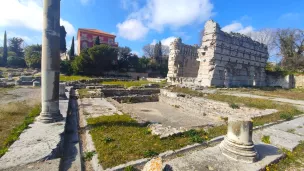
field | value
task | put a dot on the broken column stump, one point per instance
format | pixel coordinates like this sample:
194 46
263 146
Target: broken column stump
238 144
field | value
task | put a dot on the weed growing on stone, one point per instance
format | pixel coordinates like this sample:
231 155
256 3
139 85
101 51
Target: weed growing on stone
130 168
150 153
291 131
234 106
266 139
87 156
293 161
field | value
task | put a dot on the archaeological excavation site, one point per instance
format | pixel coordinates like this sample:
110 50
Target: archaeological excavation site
217 108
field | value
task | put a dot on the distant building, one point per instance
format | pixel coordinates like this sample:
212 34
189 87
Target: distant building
86 38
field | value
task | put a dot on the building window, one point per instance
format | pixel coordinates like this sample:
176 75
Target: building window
84 45
110 41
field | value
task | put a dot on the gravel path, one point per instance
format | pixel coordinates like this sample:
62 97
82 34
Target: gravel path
30 94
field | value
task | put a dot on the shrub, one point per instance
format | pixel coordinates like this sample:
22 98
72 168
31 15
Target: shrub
150 153
16 61
89 155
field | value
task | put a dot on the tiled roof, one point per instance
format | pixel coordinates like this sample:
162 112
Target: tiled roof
96 31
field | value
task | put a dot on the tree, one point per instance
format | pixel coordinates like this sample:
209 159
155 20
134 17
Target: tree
72 50
290 43
15 46
123 51
62 39
97 41
33 56
4 55
15 61
148 50
265 36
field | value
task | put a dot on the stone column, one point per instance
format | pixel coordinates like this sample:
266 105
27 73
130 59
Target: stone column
50 62
238 143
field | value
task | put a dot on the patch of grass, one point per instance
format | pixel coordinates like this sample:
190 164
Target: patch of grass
266 139
286 116
285 111
127 84
291 131
234 106
83 93
130 168
293 161
87 156
297 94
133 140
73 78
14 118
150 153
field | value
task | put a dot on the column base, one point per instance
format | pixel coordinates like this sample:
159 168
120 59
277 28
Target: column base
50 117
244 153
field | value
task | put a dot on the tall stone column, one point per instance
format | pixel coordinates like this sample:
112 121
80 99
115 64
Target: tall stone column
50 65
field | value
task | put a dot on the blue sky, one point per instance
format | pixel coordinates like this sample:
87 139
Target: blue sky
141 22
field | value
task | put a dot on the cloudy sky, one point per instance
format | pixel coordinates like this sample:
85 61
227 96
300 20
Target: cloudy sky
140 22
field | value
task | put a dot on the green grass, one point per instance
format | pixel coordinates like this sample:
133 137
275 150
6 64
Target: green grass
294 160
119 139
127 84
266 139
285 111
73 78
296 94
14 118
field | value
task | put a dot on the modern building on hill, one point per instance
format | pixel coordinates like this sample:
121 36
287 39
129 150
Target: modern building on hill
86 38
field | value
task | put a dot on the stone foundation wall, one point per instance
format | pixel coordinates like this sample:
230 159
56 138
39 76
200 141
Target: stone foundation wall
299 81
136 98
280 81
126 92
182 60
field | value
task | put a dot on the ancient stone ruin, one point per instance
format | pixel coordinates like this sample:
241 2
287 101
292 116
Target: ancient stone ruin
224 60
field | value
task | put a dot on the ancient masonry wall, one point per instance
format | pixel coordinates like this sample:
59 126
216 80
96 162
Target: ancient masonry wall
182 61
230 59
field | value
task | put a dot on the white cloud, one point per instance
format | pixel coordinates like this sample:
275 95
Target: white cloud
135 52
69 28
158 14
165 41
237 27
168 41
27 14
132 29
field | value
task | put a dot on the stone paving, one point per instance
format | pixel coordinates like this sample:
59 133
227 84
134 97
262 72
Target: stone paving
38 143
212 158
95 107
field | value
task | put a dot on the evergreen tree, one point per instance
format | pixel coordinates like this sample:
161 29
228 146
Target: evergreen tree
160 53
72 50
97 41
4 55
62 39
156 47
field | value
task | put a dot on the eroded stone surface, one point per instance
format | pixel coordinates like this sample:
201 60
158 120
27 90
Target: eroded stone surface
285 135
212 159
94 107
